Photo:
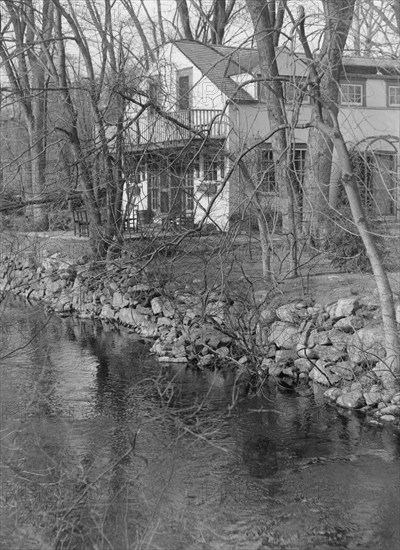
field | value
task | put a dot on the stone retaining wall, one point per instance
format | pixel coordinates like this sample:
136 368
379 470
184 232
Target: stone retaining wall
340 346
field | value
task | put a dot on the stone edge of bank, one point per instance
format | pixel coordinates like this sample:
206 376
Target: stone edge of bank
340 346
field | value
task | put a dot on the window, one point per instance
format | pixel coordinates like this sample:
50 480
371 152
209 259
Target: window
213 167
293 93
154 93
352 94
393 95
184 91
377 181
266 171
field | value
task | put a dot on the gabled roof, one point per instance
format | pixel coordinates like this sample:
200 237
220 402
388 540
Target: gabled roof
217 63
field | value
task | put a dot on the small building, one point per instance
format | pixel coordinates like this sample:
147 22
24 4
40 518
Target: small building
208 108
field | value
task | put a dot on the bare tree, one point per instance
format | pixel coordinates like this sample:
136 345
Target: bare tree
332 132
25 48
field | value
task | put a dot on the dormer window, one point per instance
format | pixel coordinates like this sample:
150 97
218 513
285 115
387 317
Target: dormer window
352 93
393 95
184 89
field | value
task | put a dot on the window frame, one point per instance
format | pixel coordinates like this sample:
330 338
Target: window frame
184 73
344 102
289 84
392 85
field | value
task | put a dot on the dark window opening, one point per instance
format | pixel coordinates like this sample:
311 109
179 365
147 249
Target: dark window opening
183 92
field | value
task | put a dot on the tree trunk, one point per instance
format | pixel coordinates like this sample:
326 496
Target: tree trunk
392 338
338 18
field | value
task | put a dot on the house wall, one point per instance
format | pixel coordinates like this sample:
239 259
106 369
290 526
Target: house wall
205 95
250 121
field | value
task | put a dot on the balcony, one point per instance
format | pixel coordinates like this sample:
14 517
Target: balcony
155 129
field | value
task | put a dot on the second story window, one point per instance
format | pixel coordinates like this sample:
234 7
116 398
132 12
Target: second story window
294 92
352 94
393 95
184 89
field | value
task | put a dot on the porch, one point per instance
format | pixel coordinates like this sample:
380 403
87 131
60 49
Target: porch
157 129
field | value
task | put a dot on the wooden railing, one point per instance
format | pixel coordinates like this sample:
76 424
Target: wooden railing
179 125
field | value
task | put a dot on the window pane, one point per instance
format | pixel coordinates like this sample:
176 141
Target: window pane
184 92
352 94
267 171
394 95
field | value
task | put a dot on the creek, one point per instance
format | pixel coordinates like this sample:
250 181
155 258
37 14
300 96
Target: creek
102 448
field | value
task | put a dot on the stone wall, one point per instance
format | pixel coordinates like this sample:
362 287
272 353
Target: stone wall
340 346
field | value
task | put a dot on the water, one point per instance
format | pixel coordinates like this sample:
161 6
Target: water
102 449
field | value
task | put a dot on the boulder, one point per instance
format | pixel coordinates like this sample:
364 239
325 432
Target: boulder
349 324
396 399
339 339
388 418
367 344
391 409
284 335
303 365
322 374
285 356
319 337
343 307
130 316
343 369
288 313
351 400
107 312
384 374
329 353
333 393
119 300
372 398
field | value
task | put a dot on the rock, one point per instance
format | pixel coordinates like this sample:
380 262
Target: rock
322 374
306 352
285 356
130 316
388 418
329 353
157 305
333 393
318 337
107 312
119 300
288 313
223 351
284 335
343 369
349 324
351 400
206 360
303 365
289 371
396 399
267 364
384 374
339 339
391 409
372 398
343 307
367 344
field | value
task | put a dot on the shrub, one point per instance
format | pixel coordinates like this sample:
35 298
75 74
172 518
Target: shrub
345 247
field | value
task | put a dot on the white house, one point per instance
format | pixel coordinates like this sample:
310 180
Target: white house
207 108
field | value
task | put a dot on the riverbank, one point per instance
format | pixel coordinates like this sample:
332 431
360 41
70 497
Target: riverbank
338 345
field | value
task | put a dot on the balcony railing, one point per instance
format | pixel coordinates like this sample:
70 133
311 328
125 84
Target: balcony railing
156 129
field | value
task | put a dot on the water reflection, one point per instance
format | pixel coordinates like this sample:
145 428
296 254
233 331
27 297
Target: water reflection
105 450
